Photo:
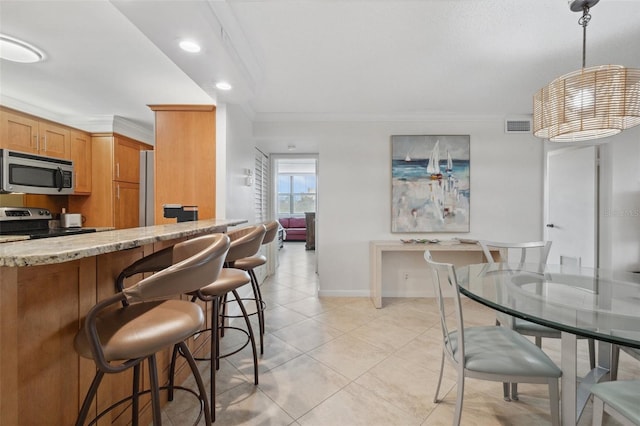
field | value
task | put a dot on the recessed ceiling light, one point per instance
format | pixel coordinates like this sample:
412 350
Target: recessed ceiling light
189 46
223 85
16 50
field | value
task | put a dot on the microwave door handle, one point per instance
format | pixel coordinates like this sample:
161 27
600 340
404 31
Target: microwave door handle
59 179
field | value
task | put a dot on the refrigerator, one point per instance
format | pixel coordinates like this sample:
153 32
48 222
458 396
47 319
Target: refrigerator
146 188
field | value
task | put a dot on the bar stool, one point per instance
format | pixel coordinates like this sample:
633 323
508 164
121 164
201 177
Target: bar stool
249 264
149 321
228 281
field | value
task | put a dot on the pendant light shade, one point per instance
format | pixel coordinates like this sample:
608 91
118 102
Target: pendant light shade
589 103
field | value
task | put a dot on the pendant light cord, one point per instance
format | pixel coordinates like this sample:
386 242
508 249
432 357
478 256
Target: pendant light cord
584 21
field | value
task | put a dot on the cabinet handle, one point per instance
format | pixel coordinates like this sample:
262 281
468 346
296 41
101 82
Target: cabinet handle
75 180
44 138
117 169
118 191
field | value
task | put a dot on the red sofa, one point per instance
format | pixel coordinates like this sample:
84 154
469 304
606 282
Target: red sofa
295 228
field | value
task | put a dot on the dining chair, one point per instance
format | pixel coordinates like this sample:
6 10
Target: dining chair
532 252
619 399
615 352
491 353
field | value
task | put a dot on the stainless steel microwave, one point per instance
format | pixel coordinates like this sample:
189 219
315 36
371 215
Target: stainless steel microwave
35 174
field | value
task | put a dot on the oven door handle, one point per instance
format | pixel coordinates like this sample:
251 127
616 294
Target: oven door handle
59 179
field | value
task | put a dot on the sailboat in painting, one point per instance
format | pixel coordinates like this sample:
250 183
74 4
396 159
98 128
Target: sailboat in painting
408 158
433 168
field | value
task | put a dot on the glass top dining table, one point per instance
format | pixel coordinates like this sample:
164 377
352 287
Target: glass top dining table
577 301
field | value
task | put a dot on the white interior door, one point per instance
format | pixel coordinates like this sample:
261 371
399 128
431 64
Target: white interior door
572 204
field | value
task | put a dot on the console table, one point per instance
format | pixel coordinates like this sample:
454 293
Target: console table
378 248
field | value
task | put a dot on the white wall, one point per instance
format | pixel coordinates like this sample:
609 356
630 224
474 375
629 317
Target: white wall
620 201
355 189
239 155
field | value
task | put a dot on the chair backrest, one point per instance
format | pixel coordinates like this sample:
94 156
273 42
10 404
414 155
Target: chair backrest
533 251
194 264
272 231
444 277
245 242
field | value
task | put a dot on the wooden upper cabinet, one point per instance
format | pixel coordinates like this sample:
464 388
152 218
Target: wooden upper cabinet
185 158
54 140
18 132
22 132
81 156
126 160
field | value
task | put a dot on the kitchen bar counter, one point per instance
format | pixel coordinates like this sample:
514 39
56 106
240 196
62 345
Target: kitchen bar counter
64 249
47 286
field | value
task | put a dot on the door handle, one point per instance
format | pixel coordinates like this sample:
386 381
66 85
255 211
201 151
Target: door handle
550 225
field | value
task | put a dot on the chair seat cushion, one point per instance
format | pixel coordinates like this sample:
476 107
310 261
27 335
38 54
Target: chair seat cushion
502 351
229 279
247 263
142 329
622 396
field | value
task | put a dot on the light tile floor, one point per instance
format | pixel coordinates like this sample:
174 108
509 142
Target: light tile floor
340 361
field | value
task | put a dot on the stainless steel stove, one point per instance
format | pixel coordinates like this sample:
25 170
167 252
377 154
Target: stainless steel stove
33 222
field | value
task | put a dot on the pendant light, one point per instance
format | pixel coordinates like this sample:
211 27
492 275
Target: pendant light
589 103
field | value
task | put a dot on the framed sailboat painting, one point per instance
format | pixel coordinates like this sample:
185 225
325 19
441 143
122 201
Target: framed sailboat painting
430 183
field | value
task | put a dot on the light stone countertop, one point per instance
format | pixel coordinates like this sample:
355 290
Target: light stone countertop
72 247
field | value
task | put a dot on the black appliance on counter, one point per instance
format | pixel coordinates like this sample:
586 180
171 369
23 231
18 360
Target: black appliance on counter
33 222
182 213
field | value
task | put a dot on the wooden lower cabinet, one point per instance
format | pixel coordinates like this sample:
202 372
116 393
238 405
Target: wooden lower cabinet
42 379
126 204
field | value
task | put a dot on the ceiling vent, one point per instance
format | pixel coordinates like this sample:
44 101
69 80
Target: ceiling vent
517 125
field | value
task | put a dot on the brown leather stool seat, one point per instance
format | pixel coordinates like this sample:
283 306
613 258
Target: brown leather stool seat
148 322
248 264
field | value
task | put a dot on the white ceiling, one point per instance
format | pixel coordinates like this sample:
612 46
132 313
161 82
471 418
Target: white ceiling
311 59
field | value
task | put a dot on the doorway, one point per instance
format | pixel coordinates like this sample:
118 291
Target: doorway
572 204
294 200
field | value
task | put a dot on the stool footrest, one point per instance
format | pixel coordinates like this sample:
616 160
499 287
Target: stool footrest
263 307
147 391
244 345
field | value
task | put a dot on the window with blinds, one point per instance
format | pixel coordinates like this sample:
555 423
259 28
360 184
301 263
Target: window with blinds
261 186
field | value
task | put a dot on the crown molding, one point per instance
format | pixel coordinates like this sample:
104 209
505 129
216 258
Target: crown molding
364 117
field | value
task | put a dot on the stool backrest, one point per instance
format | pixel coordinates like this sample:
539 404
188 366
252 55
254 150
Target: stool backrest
245 242
272 231
195 263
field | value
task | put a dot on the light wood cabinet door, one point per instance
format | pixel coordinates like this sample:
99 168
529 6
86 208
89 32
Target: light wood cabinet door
18 132
54 140
126 205
185 159
80 144
127 160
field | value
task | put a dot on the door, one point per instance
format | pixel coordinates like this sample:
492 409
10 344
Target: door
572 204
126 205
54 140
